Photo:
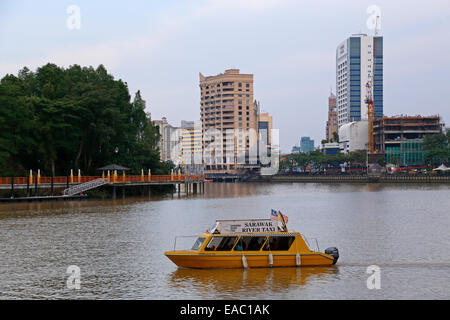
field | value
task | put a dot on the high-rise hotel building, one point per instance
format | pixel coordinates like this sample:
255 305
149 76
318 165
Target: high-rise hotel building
358 58
229 117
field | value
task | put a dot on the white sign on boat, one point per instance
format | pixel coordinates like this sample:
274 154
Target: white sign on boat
247 226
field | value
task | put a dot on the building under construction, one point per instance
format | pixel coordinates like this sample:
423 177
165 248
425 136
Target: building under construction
400 137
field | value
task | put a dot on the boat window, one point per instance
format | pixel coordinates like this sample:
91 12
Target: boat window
221 243
278 243
198 243
248 243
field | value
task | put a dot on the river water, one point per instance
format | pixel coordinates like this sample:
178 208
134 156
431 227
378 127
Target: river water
119 245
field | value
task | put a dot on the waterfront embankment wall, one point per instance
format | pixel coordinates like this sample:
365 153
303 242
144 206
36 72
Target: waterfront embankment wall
351 178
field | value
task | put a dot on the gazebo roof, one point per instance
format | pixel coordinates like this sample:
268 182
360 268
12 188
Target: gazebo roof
375 166
442 167
113 167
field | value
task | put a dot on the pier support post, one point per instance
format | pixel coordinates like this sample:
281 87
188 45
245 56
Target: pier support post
114 192
179 189
51 186
123 192
194 188
149 191
36 187
28 187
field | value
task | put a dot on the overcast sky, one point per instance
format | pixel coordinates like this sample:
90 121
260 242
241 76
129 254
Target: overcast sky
159 47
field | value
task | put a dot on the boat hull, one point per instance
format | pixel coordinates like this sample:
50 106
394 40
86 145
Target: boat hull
205 261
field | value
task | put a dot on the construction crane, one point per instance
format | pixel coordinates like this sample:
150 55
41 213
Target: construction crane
370 113
369 99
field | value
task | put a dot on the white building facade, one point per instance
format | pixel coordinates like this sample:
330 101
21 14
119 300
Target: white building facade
354 136
169 139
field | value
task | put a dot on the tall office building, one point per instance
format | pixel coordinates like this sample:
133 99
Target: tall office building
332 122
229 117
358 58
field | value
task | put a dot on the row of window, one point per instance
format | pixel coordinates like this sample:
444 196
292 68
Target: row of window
207 96
246 243
225 83
225 118
226 107
231 112
225 124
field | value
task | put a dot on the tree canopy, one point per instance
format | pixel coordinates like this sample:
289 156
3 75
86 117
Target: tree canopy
437 148
317 158
57 119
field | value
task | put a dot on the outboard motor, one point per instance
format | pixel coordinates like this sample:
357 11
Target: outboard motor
334 252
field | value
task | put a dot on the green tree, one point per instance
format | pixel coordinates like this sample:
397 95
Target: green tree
436 148
57 119
17 125
335 136
434 141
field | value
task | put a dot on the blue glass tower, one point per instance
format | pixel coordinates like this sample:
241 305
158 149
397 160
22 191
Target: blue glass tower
355 79
306 145
378 77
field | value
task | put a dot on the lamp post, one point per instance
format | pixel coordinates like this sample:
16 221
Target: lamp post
116 151
367 162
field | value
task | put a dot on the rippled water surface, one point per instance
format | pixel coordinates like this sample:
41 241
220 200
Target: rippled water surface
119 245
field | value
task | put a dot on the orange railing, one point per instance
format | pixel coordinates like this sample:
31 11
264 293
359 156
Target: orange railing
112 179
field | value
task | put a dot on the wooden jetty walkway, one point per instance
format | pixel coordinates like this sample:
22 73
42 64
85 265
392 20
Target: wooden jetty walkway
76 185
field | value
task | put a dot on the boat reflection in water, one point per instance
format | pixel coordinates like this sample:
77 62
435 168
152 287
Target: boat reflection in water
253 281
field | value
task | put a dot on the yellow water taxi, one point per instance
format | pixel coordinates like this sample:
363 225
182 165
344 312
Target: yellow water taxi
253 243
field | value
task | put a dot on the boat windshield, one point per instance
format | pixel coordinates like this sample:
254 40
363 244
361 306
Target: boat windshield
198 243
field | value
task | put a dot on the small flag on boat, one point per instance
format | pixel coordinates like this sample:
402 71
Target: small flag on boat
275 216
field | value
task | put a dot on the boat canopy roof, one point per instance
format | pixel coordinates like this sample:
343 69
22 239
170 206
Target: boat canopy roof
267 234
245 226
